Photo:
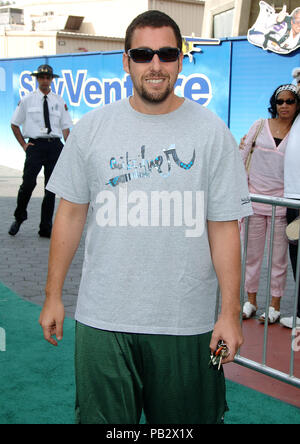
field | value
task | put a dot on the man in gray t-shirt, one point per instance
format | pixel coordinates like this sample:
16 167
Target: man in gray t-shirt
166 186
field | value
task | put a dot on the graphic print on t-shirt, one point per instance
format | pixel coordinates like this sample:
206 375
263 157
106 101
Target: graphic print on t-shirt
156 208
141 167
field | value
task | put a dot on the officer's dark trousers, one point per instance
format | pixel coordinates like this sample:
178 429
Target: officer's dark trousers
44 153
292 213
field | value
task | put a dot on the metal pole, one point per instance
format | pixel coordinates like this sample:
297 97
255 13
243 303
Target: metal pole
294 331
268 295
263 368
278 201
244 257
269 371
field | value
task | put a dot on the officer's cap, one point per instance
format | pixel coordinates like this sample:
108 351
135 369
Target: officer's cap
44 69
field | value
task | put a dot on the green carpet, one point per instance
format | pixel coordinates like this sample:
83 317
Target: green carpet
37 380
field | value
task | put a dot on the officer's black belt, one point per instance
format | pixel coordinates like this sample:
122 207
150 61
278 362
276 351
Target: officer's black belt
46 139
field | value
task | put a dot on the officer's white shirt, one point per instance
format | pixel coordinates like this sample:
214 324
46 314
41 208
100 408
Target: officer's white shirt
292 163
30 115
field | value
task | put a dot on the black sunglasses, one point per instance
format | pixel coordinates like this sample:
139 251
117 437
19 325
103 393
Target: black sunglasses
288 101
145 55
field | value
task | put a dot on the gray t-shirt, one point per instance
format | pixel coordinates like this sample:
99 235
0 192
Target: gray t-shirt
152 182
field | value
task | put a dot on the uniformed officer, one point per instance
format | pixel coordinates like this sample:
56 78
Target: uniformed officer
44 118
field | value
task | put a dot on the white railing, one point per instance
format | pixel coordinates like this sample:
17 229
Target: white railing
262 366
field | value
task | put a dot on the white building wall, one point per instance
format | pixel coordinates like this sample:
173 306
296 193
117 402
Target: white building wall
23 44
112 18
108 18
187 13
101 17
87 44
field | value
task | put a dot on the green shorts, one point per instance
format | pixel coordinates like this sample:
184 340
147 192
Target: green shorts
119 375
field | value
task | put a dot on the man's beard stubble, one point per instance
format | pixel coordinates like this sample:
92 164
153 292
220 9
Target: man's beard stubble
158 97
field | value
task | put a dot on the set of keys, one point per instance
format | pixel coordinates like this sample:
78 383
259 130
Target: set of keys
219 354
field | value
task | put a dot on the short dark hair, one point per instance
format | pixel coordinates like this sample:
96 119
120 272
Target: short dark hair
154 19
273 107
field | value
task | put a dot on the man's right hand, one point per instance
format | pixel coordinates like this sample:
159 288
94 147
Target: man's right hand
65 238
52 320
27 145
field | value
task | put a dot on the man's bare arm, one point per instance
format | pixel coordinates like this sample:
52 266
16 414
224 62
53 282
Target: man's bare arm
66 133
224 239
19 136
66 234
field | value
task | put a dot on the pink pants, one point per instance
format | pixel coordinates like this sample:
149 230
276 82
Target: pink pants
259 229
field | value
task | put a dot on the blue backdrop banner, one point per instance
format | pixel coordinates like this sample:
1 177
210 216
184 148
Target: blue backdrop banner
233 78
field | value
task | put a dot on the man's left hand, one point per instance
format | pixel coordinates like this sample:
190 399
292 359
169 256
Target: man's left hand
229 330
